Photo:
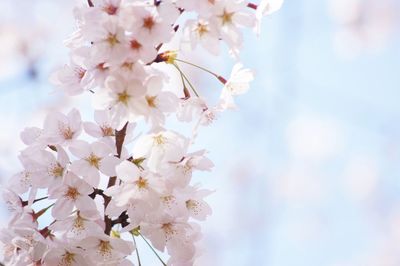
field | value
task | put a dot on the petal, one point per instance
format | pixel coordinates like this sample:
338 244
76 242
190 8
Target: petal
108 165
80 149
92 177
100 149
74 119
101 117
85 203
62 208
127 171
92 129
62 156
122 246
80 167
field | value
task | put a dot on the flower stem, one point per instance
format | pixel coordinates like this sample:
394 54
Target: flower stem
187 80
137 251
185 90
155 252
220 78
199 67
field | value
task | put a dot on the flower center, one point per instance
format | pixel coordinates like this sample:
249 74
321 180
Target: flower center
72 193
123 97
104 248
148 23
66 132
151 101
110 9
80 72
57 170
93 160
227 17
112 39
67 259
141 183
107 131
135 45
159 139
79 224
193 205
169 200
101 67
128 65
168 229
202 28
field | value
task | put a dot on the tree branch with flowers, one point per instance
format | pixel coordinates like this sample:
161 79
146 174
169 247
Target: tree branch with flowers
105 183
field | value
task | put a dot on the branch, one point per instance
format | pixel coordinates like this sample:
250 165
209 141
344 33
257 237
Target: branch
122 219
119 142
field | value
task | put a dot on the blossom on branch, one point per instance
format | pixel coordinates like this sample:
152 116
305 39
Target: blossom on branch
99 185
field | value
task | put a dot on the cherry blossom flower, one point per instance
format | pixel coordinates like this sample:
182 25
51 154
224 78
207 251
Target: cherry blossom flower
65 255
79 225
158 102
151 25
202 32
94 157
111 7
102 127
62 129
162 231
122 98
237 84
159 148
266 7
106 250
109 41
73 79
30 135
72 193
230 16
47 170
127 174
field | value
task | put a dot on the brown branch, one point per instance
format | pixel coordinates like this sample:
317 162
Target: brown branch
97 192
122 219
119 142
90 3
120 138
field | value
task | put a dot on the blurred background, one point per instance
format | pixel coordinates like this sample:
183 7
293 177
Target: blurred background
307 171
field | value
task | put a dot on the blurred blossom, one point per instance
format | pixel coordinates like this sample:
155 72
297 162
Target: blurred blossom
300 186
313 138
308 173
363 25
361 177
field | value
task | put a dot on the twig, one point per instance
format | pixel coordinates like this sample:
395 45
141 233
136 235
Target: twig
119 142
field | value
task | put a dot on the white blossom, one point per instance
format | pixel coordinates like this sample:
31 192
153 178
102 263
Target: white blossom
127 173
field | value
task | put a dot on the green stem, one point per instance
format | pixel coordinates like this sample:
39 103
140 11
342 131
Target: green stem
187 80
137 251
163 263
199 67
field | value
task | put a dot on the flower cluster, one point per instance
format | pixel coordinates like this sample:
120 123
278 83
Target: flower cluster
104 183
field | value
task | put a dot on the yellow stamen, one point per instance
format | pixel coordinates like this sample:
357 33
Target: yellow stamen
93 160
72 193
